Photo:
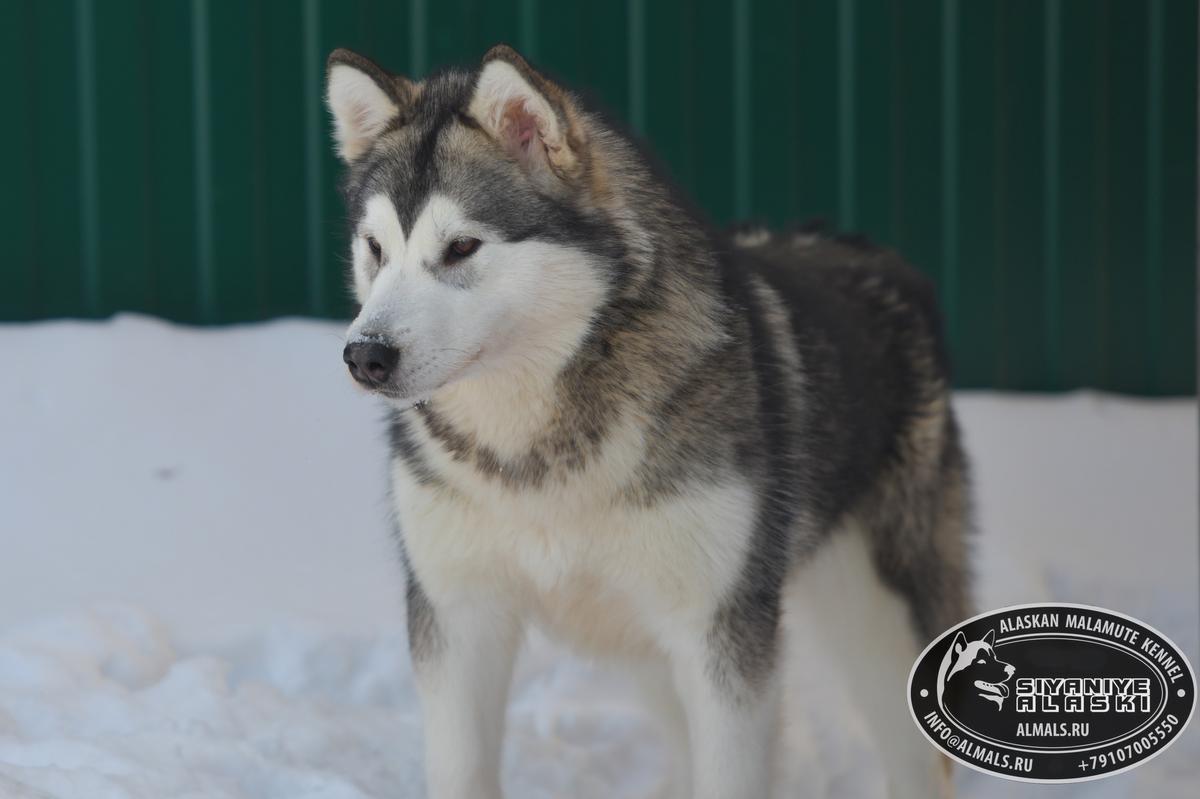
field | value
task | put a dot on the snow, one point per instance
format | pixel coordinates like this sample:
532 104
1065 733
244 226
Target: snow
199 595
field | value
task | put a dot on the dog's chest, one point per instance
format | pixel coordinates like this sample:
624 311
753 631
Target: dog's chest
600 573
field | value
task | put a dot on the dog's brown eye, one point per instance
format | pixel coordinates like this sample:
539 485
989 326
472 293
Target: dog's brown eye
461 248
376 250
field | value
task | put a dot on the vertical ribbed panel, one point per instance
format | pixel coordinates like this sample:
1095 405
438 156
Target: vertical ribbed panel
1036 158
847 155
202 159
1154 166
19 198
743 117
314 141
950 188
418 27
85 38
1177 355
1051 190
636 41
527 38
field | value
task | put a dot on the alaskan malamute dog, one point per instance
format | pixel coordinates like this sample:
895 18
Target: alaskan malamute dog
649 439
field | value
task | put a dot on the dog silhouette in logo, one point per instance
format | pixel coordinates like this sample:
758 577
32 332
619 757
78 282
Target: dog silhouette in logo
971 668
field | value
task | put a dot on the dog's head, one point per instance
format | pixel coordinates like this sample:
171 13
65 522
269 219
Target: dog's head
975 663
477 241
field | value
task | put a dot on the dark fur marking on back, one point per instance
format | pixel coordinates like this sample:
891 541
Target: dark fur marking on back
744 635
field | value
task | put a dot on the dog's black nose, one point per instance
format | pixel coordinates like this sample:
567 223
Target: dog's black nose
370 362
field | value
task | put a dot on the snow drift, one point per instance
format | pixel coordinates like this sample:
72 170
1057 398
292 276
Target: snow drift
199 595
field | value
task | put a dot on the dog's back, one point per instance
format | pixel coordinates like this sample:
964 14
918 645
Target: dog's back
873 460
878 437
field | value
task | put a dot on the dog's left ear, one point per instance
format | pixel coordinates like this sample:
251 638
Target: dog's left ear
990 638
535 121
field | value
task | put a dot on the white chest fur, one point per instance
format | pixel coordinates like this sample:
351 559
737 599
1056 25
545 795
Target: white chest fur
593 568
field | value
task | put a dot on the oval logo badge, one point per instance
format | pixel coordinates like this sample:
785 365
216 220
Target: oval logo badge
1052 693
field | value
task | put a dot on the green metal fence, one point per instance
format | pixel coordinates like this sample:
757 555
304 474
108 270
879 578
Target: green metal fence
1036 157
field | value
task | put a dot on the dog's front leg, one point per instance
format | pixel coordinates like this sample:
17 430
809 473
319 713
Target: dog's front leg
463 653
730 689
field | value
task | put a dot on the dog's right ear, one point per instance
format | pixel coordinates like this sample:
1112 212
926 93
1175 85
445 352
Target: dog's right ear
960 643
364 99
533 120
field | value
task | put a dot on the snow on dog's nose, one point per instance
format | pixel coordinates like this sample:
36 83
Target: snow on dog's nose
370 362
